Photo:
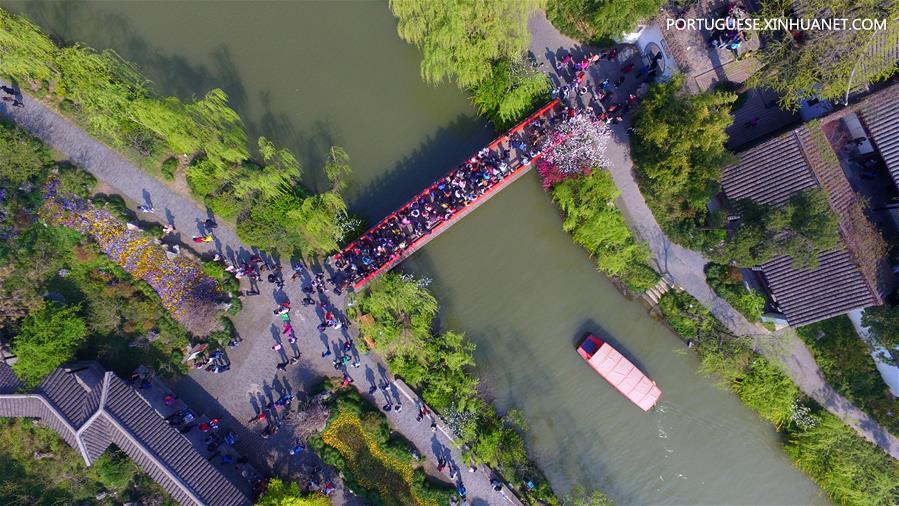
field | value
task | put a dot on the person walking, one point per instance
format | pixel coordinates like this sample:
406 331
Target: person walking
146 209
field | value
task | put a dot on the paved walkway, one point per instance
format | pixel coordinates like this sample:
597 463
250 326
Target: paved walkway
253 380
685 268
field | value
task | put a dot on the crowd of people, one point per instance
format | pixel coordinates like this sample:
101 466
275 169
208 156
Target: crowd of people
443 200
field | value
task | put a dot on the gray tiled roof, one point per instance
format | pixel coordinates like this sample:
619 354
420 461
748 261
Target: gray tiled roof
9 382
835 287
771 173
880 115
92 409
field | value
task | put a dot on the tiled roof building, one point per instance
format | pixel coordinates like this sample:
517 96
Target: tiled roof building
851 277
91 409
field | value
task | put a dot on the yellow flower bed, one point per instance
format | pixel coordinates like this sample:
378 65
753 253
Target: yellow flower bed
372 468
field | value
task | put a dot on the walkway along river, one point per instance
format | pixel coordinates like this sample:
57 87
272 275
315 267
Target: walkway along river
308 74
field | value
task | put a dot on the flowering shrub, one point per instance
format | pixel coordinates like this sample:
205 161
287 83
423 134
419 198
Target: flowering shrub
191 296
374 468
572 148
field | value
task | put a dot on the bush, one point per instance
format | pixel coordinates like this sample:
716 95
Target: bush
727 283
846 466
597 22
588 204
168 168
678 151
847 364
513 91
114 469
49 338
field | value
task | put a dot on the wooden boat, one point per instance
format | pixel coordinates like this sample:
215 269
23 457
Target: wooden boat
619 371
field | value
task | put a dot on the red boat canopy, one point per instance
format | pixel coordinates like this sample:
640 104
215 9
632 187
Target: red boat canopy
620 372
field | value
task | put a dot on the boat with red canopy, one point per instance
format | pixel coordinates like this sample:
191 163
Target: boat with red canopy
619 371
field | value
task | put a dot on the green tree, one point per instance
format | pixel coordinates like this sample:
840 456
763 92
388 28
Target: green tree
49 338
827 63
579 496
679 153
513 90
279 493
461 39
22 157
598 21
402 313
588 204
801 228
883 327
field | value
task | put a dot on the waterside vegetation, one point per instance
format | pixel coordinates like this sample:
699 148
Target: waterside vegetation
396 315
480 46
847 467
205 139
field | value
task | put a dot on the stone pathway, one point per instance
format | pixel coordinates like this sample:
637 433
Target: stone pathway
253 380
685 268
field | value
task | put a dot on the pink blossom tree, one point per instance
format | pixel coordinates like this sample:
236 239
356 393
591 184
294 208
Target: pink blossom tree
572 148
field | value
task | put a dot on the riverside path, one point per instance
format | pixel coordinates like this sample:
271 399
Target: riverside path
253 380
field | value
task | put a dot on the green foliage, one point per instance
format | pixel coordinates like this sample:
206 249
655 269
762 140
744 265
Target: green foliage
402 313
849 368
111 100
60 475
768 391
114 469
377 466
281 493
75 181
169 167
883 327
460 40
397 315
826 63
679 152
597 22
512 91
49 337
846 466
801 228
588 204
850 469
727 283
22 157
580 497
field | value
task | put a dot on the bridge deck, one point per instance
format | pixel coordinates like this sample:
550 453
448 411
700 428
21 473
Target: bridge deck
518 165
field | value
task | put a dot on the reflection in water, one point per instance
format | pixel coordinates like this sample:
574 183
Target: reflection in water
309 74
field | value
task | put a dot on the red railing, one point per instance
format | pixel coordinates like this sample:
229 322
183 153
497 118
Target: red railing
395 259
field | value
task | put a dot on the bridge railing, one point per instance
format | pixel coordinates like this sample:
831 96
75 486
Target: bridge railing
439 227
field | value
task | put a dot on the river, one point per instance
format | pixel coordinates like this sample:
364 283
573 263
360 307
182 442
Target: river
308 75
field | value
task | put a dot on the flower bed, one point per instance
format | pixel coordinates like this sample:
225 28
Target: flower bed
191 296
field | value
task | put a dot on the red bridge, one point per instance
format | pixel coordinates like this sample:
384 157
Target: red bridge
448 200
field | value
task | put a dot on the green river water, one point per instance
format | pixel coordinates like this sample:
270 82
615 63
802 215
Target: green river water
312 74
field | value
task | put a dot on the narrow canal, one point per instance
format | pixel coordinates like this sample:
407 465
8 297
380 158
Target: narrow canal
310 74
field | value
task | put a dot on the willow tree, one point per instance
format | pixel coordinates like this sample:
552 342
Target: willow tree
679 153
827 63
461 39
597 21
